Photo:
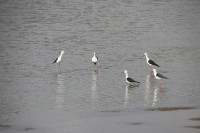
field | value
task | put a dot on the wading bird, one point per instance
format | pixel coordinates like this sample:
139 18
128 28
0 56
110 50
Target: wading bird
150 62
128 79
158 76
95 60
58 60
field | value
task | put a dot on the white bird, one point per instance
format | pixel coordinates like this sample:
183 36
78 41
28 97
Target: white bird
128 79
158 76
150 62
95 60
58 60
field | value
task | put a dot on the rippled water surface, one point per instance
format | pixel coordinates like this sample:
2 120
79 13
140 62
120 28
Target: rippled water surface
32 34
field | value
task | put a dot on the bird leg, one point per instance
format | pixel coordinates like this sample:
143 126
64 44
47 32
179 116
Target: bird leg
159 83
95 67
59 67
59 70
151 68
151 73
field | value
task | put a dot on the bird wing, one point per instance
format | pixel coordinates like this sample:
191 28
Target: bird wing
153 63
55 61
161 76
131 80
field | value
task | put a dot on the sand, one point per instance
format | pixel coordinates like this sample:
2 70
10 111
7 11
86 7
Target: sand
157 120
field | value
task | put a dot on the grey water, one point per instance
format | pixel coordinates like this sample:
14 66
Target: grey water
33 32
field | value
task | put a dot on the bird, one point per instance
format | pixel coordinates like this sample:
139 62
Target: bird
150 62
158 76
128 79
58 60
95 61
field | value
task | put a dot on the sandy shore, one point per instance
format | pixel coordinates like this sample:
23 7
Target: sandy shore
155 120
159 120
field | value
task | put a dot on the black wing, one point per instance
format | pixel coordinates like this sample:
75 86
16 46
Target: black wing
55 61
161 76
153 63
131 80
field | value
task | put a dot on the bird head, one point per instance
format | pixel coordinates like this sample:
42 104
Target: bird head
154 70
125 71
62 52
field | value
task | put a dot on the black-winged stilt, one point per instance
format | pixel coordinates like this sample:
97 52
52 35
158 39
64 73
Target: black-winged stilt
158 76
58 60
95 60
150 62
128 79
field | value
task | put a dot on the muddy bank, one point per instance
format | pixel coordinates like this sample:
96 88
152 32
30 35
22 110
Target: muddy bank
177 119
169 108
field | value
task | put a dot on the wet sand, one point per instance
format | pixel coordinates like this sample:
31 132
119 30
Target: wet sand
157 120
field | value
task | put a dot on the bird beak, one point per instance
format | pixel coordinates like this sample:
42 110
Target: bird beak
141 57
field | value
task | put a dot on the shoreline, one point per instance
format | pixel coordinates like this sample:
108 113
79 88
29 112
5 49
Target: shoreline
152 120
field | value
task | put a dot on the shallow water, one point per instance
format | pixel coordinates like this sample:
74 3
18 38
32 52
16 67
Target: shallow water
34 32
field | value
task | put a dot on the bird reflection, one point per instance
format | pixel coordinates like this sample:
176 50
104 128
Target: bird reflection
94 85
60 90
155 96
148 85
126 93
148 80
